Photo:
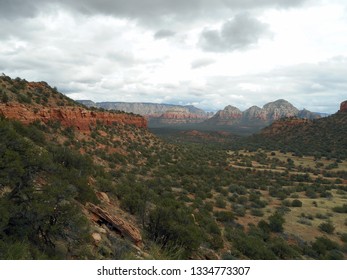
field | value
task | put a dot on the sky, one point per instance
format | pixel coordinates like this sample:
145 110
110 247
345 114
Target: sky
205 53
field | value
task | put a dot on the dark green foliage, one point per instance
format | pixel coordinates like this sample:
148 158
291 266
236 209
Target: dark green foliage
343 237
327 227
4 97
304 138
296 203
34 217
23 99
276 222
324 248
224 217
340 209
171 227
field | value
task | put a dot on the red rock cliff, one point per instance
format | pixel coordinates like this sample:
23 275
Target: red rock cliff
77 117
343 107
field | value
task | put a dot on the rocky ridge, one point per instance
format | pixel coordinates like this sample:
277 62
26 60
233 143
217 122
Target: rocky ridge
167 114
155 113
229 116
270 112
37 101
77 117
179 116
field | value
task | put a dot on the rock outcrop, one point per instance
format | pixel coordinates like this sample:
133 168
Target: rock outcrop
278 126
343 107
279 109
179 116
123 227
253 113
228 116
270 112
77 117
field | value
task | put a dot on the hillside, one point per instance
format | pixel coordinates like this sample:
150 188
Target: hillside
322 137
116 191
29 102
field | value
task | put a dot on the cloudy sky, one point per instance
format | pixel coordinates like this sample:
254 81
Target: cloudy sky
208 53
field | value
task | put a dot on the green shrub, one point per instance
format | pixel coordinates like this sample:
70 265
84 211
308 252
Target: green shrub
276 222
296 203
327 227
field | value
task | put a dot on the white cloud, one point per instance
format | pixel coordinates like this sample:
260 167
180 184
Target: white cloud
154 50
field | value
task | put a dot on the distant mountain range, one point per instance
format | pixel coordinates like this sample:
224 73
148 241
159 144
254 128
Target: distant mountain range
270 112
171 115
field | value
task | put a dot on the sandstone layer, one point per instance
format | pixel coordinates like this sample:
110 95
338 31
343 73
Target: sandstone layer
77 117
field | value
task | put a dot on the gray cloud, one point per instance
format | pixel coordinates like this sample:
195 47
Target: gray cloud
239 33
142 9
164 33
202 62
18 8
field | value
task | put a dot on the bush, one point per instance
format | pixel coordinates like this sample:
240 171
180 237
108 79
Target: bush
296 203
174 228
324 248
224 217
276 222
220 202
341 209
327 227
257 212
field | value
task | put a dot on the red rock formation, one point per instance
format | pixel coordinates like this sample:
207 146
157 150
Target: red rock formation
180 116
126 229
77 117
228 116
281 125
343 107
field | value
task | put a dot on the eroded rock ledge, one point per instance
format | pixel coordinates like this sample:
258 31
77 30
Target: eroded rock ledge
122 227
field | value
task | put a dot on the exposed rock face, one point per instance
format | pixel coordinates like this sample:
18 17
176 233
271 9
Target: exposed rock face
343 107
180 116
123 227
253 113
77 117
228 116
279 109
